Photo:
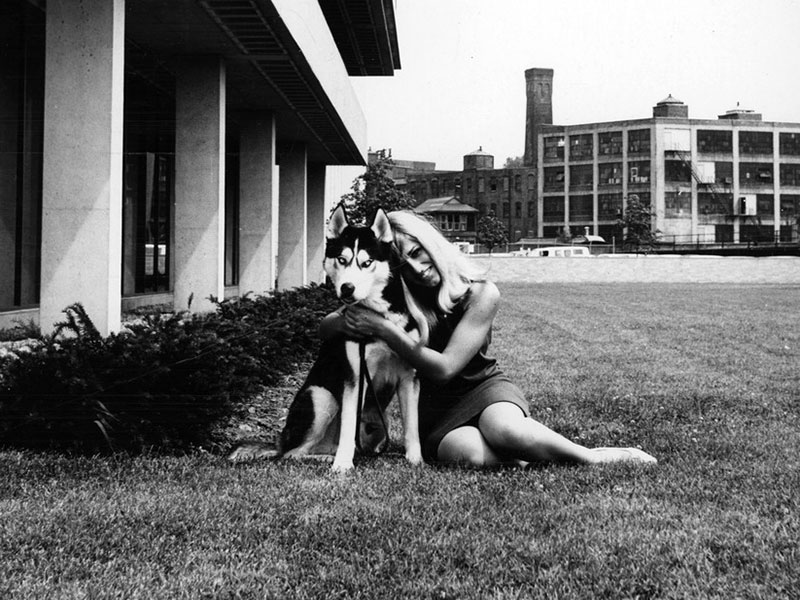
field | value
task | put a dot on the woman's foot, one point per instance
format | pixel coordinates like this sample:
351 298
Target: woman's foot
611 455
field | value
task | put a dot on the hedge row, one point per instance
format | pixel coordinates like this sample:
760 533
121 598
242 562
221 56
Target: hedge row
165 382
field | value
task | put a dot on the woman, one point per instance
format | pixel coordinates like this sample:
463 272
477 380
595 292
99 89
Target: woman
470 412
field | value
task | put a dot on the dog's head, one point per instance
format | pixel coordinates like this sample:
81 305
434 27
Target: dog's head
357 258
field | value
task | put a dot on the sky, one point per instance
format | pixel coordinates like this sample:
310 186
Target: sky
461 85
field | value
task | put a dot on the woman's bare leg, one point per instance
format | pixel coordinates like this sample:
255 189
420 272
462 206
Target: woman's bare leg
505 428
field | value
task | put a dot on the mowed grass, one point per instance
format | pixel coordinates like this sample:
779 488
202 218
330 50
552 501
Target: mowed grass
703 376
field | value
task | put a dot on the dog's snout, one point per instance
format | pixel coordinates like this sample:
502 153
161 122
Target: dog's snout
347 290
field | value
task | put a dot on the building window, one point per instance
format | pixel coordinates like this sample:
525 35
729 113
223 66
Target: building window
506 209
493 208
610 174
518 210
713 204
723 173
755 174
469 184
531 209
517 183
580 208
677 205
609 206
581 146
554 147
755 142
493 184
714 141
148 198
481 185
677 171
765 205
610 143
790 174
531 181
505 184
581 177
789 144
639 171
639 141
790 207
553 209
553 179
452 222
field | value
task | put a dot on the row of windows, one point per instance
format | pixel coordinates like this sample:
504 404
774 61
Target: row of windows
677 204
434 188
581 146
491 208
581 177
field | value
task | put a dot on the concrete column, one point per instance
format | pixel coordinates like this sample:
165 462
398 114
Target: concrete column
258 224
735 175
776 186
317 214
292 225
82 163
199 250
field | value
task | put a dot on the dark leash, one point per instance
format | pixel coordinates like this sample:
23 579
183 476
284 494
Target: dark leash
364 379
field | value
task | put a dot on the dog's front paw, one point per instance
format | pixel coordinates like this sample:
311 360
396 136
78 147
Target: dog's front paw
414 457
341 466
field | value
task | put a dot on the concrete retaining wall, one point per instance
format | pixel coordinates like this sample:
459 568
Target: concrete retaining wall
643 268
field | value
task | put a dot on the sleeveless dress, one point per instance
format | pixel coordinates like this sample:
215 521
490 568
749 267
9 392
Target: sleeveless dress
460 401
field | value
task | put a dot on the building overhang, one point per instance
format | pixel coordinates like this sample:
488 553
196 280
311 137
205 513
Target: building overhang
281 56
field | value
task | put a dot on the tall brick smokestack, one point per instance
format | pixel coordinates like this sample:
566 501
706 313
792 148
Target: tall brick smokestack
539 91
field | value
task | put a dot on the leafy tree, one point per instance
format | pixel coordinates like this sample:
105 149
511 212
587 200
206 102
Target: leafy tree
372 190
513 162
565 234
491 231
637 225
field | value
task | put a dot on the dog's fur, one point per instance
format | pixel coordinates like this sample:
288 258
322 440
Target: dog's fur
358 262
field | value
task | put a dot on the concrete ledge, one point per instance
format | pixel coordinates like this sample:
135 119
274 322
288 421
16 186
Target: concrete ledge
618 268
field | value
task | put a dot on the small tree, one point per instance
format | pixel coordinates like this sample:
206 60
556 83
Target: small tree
637 225
511 163
491 231
565 234
372 190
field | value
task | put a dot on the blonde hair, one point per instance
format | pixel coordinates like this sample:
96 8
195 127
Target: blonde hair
456 270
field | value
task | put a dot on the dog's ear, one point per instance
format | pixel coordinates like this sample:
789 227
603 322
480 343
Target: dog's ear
381 227
337 223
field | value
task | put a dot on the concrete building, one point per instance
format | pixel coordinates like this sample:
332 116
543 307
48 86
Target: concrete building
156 151
731 179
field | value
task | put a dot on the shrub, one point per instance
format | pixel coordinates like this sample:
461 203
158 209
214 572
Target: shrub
20 331
166 382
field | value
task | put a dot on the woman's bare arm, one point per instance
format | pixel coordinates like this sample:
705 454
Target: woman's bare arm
467 339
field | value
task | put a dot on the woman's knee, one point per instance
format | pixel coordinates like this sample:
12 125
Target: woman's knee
504 425
467 446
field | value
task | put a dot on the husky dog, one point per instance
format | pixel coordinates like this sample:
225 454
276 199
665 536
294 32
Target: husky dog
357 260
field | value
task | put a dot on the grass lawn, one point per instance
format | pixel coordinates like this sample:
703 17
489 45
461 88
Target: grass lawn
705 377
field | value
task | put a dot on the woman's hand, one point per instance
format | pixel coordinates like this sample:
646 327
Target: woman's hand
361 323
